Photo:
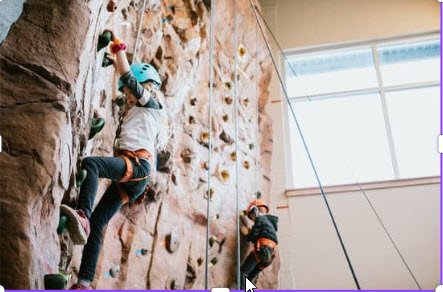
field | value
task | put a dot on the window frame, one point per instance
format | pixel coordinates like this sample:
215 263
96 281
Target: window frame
380 89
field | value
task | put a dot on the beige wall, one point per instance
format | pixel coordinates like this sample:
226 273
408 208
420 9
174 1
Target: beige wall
311 255
313 22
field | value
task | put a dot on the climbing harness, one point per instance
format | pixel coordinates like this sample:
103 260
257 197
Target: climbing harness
307 150
211 95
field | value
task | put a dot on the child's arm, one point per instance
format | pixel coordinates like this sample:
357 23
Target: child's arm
121 63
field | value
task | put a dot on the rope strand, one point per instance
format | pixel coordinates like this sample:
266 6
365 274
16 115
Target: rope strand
138 32
211 94
236 144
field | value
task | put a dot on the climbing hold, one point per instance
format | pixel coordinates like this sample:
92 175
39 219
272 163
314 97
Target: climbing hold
55 281
228 86
200 261
214 261
173 284
205 165
142 252
193 101
174 179
172 241
246 164
167 19
258 195
106 60
192 120
212 240
224 174
62 224
81 177
209 194
111 6
225 118
194 17
251 146
96 127
187 155
162 161
234 156
241 51
191 275
225 137
125 13
204 137
246 101
228 100
103 40
216 216
114 271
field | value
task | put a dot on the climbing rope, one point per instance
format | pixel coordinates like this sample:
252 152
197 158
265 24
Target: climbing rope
255 9
257 97
134 57
391 239
211 94
236 143
278 45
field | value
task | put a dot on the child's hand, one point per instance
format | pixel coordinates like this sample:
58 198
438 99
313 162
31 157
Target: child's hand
244 230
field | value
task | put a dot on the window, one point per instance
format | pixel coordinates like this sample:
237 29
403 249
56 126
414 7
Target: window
368 113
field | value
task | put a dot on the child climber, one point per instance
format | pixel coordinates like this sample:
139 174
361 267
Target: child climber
142 131
263 235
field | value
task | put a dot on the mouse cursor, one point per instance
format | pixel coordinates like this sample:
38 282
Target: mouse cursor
249 286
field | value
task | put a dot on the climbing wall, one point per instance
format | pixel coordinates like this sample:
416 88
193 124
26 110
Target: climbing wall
51 81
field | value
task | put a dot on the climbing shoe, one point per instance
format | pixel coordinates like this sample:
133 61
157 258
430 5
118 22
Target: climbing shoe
78 224
96 127
80 287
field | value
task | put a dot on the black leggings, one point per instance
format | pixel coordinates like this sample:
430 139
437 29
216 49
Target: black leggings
112 168
255 263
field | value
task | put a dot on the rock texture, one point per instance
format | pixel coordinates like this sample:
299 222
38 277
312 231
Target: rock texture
51 82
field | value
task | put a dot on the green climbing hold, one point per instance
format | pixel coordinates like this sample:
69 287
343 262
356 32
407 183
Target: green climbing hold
96 127
55 281
106 61
62 224
81 178
103 40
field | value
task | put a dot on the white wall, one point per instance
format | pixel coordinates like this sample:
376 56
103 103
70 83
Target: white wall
311 255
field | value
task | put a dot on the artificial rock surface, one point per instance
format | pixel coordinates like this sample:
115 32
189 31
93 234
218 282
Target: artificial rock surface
51 82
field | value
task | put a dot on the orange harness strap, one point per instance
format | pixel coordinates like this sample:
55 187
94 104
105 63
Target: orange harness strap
265 242
126 154
127 177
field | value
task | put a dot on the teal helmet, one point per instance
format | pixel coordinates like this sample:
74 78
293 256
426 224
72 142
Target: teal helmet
143 72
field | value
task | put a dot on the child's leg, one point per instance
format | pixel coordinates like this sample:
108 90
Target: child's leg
266 256
247 268
106 167
109 204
